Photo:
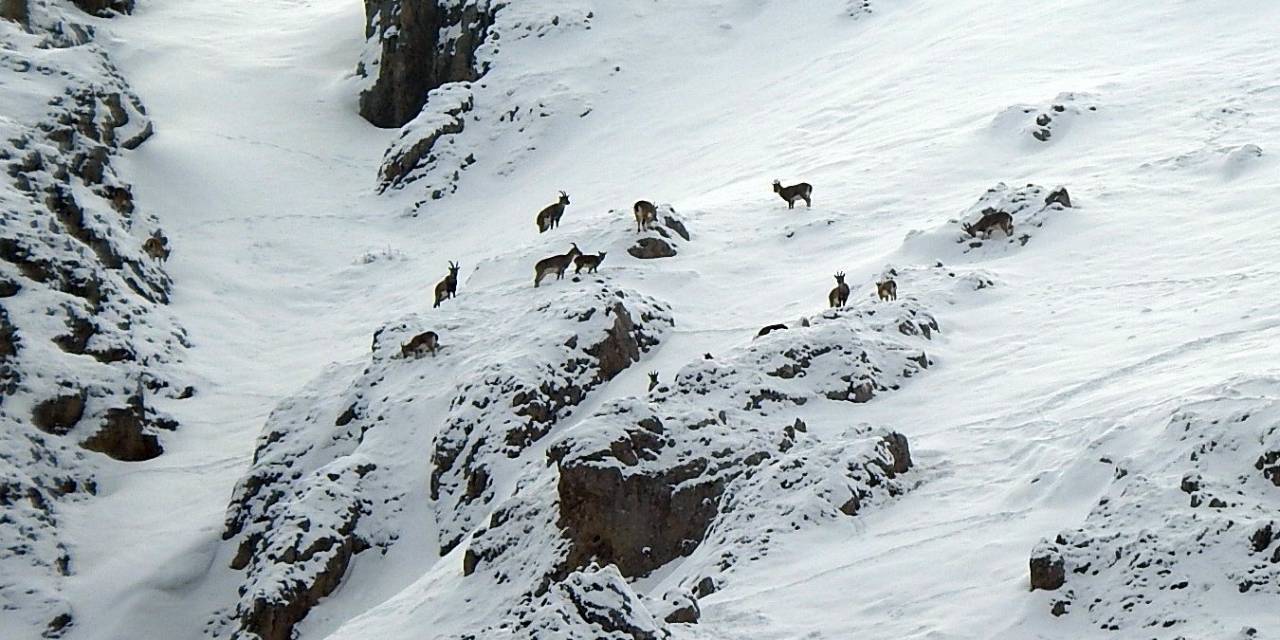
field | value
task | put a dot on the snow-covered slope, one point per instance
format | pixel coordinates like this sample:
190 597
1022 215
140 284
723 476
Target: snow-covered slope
1091 397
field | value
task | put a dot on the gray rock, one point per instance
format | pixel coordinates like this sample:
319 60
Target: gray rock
434 43
650 248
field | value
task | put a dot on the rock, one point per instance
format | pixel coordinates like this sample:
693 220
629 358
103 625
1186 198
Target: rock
637 522
1059 196
274 618
498 407
642 490
71 275
423 45
57 627
1262 537
681 608
591 604
620 347
105 7
771 328
123 437
8 337
1190 483
413 152
58 415
1047 570
675 225
1269 464
649 248
15 10
705 587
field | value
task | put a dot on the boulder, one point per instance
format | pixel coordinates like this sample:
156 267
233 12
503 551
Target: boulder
649 248
1047 569
1059 196
59 414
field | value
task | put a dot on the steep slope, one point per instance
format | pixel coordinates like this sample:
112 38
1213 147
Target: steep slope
87 344
1062 355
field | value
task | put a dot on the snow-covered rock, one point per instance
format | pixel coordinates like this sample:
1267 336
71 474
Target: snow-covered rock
1030 206
85 337
325 483
1046 122
416 47
703 471
428 61
1187 532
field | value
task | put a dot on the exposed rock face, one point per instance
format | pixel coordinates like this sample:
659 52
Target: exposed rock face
708 467
425 58
682 608
551 511
127 433
1152 560
649 248
15 10
320 471
82 315
58 415
472 440
1047 569
424 45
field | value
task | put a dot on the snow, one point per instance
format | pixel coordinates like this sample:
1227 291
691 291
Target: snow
1082 344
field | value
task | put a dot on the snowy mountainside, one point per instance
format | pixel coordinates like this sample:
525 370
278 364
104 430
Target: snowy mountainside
86 341
1066 403
1184 536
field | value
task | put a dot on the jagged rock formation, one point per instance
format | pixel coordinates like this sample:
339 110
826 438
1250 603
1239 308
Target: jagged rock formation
424 60
322 487
1184 532
554 513
704 471
423 45
84 335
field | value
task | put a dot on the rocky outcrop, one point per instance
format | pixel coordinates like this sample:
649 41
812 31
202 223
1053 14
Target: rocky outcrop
82 307
505 414
321 489
591 604
423 45
1046 122
1031 206
550 510
666 233
1047 570
415 152
1185 532
424 61
701 474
